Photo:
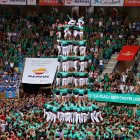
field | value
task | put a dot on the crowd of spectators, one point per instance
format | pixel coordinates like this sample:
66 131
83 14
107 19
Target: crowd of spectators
36 37
24 119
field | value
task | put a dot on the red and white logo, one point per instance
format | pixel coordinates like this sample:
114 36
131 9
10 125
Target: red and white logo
4 1
68 1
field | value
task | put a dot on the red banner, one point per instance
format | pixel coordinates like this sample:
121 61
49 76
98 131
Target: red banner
132 3
128 53
51 2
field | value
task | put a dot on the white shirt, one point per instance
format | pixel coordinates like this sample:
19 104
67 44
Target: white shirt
122 87
81 33
131 88
101 35
75 33
11 64
2 126
124 78
100 23
9 34
101 62
82 49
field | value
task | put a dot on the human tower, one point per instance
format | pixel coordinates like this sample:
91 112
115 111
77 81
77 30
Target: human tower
71 88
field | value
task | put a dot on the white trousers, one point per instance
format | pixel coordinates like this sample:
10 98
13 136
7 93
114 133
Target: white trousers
64 82
64 51
70 48
78 118
62 117
68 117
75 50
53 117
81 82
58 81
65 68
59 66
59 49
82 66
95 116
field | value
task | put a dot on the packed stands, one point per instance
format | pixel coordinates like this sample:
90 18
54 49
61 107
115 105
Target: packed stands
68 113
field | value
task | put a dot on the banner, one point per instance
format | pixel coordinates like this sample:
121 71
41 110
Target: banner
77 2
107 2
116 98
51 2
128 53
39 70
132 3
13 2
31 2
10 94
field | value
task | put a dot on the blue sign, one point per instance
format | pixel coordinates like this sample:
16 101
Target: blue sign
10 94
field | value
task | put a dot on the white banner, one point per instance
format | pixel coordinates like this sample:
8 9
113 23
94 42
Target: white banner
39 70
13 2
77 2
107 2
31 2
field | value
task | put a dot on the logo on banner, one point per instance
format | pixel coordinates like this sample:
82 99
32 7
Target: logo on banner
127 53
39 71
68 1
10 94
4 1
76 1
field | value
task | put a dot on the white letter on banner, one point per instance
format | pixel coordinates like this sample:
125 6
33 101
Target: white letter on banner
113 97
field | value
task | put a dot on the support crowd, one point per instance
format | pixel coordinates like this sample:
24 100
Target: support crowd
68 114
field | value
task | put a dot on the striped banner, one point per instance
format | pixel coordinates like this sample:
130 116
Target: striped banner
132 3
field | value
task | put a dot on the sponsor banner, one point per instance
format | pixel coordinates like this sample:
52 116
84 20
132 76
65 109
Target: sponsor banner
39 70
107 2
51 2
116 98
13 2
128 53
132 3
31 2
77 2
10 94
